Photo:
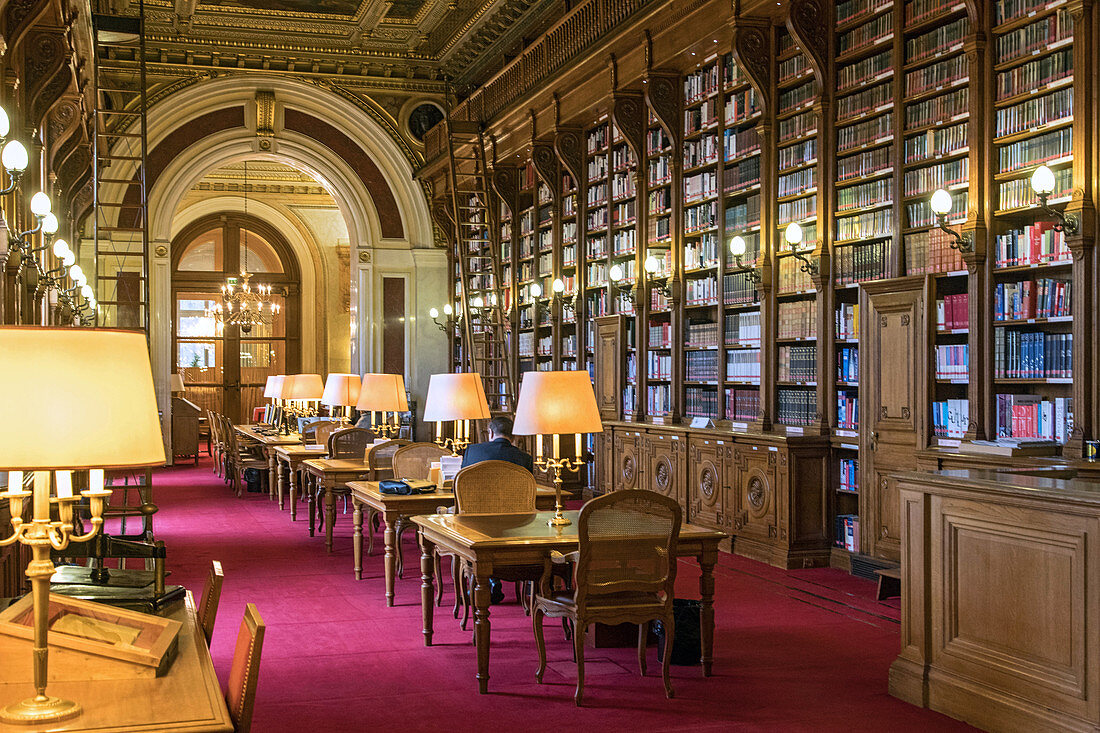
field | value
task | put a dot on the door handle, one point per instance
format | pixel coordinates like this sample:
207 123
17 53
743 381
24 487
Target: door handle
874 440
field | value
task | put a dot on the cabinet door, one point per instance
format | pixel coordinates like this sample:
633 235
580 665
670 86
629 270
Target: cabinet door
757 503
626 463
893 390
610 370
707 486
664 455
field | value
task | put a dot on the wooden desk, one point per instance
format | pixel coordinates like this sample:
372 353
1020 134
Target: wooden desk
393 507
293 456
187 699
328 473
267 444
506 540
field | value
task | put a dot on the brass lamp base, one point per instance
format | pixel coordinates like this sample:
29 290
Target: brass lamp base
558 520
39 709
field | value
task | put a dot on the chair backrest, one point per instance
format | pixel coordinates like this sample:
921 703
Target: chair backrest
244 673
414 461
309 431
349 443
380 457
325 430
494 487
211 594
212 422
627 541
230 434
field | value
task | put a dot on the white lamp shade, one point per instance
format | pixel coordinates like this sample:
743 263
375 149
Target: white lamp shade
383 393
40 204
738 246
455 397
557 403
341 390
175 381
302 387
1042 180
940 202
652 264
49 224
5 123
558 285
85 399
536 290
14 157
793 233
273 385
615 273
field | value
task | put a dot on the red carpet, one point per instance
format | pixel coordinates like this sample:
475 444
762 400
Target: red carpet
805 650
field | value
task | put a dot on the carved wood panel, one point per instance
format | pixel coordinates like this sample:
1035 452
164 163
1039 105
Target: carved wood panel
754 492
665 465
627 464
609 359
708 484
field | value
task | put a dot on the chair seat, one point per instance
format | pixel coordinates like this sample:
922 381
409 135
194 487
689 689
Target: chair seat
565 601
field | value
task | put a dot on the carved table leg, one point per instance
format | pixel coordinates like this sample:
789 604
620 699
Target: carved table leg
293 478
388 539
281 484
309 481
271 471
481 624
357 537
330 514
427 589
707 561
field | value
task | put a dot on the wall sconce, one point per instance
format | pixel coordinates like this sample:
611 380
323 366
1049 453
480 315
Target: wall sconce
626 288
793 236
657 282
738 247
1042 183
14 159
449 322
941 207
535 291
568 303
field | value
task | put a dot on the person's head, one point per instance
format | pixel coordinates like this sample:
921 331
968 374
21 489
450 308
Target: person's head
500 427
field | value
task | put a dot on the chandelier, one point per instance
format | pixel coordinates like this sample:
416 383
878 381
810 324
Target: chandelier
242 305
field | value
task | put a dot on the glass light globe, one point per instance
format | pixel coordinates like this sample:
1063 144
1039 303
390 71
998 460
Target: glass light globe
447 309
940 202
738 246
68 259
40 204
75 272
80 281
536 290
86 291
60 248
793 234
49 224
615 273
652 264
1042 181
558 286
478 302
433 312
14 157
5 125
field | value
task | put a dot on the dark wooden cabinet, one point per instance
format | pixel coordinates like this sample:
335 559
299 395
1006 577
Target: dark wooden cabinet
664 464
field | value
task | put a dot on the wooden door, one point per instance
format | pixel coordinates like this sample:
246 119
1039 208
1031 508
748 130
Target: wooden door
609 366
892 387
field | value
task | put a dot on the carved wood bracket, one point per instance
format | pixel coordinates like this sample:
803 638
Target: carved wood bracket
628 114
569 145
663 92
751 51
808 22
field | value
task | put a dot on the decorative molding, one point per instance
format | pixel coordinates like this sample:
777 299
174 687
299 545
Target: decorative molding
265 113
546 165
807 20
663 92
628 114
750 51
569 145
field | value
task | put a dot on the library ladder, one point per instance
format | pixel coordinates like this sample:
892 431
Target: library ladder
478 255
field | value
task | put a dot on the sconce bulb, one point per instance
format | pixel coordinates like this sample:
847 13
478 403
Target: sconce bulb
433 312
68 259
477 302
652 264
5 124
60 248
49 224
86 291
447 309
40 204
536 290
738 246
1042 181
615 273
14 157
558 285
76 272
793 234
940 202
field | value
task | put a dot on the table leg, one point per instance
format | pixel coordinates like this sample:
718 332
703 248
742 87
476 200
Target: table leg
282 483
293 478
271 470
427 589
388 538
309 484
706 591
330 514
481 625
357 537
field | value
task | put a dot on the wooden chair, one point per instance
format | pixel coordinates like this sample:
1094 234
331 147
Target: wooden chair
239 459
380 461
211 594
214 425
414 461
244 673
324 431
346 443
624 572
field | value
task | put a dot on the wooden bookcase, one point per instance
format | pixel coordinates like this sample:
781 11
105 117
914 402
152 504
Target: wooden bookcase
843 123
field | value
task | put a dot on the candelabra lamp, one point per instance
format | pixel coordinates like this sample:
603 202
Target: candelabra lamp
450 320
657 281
341 392
459 398
1042 183
384 393
941 207
556 404
84 401
299 391
568 302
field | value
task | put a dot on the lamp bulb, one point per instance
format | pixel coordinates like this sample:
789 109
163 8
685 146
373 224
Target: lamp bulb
86 291
447 309
940 202
1042 181
558 285
76 272
5 124
14 157
738 246
615 273
40 204
478 302
433 312
652 264
536 290
49 224
793 234
68 259
60 248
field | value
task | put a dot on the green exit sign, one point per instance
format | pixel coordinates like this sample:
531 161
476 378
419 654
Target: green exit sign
231 280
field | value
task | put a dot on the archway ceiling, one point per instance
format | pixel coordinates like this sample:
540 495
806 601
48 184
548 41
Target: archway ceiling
461 40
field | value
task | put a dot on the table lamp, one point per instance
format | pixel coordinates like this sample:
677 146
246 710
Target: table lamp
383 393
557 403
299 390
175 381
271 392
341 390
85 401
458 397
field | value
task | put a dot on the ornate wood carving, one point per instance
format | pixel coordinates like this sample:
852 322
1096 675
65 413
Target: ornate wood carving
664 92
46 74
569 145
505 182
752 54
628 114
546 165
808 22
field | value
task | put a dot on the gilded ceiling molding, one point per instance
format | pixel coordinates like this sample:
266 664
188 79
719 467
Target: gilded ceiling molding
347 78
265 115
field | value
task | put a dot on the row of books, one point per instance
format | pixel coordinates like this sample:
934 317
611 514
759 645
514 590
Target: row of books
797 362
660 335
702 117
743 328
1031 245
919 211
701 83
1032 355
658 365
702 333
798 319
742 404
660 170
952 312
739 288
936 143
792 184
1018 193
791 277
1035 74
1006 10
792 67
853 75
701 402
701 366
871 193
741 364
797 126
741 106
847 410
739 143
795 406
852 9
1031 416
950 418
869 131
743 215
847 364
849 474
1041 298
931 251
798 210
936 41
741 176
657 141
700 186
952 361
622 157
658 399
872 99
701 217
701 151
920 181
867 163
622 185
847 321
862 262
797 154
847 532
1032 113
941 74
938 109
701 252
1035 150
865 35
871 225
624 242
793 98
703 291
1035 36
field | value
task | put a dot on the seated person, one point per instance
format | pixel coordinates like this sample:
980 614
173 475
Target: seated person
499 447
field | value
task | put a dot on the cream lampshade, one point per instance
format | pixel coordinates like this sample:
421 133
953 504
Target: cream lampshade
302 387
458 397
273 386
176 383
341 390
383 393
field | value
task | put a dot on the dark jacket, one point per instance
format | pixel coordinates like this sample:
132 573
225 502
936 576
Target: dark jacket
497 450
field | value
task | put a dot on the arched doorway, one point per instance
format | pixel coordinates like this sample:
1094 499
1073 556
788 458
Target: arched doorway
224 369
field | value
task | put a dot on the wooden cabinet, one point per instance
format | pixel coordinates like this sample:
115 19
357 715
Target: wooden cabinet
665 468
610 366
708 484
626 459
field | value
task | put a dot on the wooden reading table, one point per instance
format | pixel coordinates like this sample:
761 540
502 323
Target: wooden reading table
267 444
186 699
492 541
393 507
328 474
294 456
